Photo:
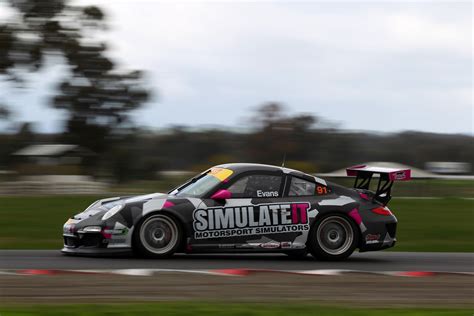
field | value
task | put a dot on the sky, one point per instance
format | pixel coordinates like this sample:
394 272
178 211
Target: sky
376 66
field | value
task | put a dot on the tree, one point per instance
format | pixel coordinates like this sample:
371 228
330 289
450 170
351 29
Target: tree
279 136
96 96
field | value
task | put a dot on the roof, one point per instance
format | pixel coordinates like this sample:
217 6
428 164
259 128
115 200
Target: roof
45 150
384 166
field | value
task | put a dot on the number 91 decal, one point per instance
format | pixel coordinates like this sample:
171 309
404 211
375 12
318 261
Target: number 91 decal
322 190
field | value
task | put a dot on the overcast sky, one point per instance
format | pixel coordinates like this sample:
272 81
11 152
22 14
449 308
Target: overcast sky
382 66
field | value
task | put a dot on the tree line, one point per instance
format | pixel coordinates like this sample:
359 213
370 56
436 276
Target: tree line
300 140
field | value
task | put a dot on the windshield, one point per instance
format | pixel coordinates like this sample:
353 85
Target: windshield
202 184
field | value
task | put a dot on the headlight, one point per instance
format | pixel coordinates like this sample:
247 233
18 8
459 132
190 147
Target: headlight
112 211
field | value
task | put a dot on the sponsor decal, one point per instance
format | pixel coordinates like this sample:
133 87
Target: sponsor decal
400 175
262 219
120 231
270 245
285 244
221 173
372 239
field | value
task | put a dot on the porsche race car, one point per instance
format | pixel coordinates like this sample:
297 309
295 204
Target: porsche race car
244 208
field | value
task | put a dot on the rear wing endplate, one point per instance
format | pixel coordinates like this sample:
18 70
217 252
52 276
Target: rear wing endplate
388 176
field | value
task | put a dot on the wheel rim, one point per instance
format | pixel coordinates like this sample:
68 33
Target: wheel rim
159 234
335 235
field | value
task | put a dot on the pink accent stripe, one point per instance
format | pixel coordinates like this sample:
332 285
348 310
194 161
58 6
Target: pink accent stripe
168 204
356 216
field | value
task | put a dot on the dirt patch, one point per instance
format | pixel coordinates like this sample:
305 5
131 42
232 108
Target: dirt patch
351 289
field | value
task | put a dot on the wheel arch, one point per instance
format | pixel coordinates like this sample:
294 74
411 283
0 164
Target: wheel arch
165 211
344 214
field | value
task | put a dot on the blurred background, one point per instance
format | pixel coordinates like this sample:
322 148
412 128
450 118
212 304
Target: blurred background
102 98
136 95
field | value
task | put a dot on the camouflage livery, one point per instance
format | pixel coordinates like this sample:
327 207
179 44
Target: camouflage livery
277 214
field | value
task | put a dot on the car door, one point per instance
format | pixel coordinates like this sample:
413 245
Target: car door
257 216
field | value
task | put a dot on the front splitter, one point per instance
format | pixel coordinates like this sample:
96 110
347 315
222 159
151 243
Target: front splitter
96 252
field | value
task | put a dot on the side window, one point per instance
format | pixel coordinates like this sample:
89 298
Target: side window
253 186
300 187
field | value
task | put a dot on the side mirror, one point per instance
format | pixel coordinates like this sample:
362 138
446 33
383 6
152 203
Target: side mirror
221 195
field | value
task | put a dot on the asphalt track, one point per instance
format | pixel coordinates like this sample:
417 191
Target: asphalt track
372 261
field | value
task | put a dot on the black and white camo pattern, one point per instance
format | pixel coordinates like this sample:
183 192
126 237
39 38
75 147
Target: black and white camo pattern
121 225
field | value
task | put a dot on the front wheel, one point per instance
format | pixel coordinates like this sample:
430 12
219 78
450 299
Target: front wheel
157 236
334 237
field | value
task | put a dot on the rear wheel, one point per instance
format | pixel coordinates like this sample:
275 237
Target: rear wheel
157 236
334 237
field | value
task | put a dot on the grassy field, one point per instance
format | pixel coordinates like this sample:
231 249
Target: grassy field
424 224
434 224
209 309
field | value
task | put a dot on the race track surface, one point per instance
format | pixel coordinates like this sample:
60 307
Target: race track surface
375 261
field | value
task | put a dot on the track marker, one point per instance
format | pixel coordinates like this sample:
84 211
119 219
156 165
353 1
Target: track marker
229 272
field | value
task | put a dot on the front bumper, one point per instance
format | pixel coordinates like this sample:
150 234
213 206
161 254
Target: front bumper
90 244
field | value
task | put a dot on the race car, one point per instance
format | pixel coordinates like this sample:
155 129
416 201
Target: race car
243 207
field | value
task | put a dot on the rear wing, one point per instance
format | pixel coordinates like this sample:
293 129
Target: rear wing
388 176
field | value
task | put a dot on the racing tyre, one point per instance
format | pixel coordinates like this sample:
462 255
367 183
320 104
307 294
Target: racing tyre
333 238
157 236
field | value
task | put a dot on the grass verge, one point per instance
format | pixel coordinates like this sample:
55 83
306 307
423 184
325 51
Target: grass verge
209 309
